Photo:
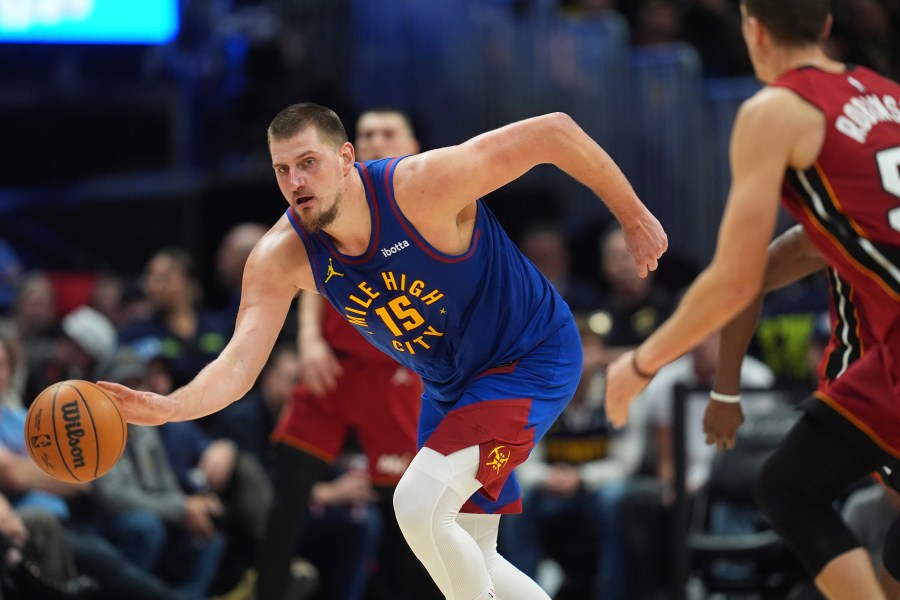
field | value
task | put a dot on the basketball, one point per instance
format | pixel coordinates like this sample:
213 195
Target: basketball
75 431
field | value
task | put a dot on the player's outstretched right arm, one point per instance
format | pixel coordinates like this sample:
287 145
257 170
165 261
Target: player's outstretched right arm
275 270
459 175
791 257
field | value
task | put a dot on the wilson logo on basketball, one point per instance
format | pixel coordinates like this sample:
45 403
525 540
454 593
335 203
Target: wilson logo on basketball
74 432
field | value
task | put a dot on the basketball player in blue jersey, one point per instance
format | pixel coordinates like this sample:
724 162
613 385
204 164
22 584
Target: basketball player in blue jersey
411 257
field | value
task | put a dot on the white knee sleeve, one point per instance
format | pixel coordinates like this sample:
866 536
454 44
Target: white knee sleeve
509 582
427 501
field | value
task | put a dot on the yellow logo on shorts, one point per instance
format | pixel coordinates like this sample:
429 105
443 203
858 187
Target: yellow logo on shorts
498 458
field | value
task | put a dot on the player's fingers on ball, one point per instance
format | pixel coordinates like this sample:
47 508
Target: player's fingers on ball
116 389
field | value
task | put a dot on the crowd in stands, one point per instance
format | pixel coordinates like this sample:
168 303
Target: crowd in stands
181 514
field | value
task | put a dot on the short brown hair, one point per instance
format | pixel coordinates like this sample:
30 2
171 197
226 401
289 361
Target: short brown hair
791 22
297 117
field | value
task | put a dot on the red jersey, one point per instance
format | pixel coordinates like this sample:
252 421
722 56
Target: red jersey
849 205
347 342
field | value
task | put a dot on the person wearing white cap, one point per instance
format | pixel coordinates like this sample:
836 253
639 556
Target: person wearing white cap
87 342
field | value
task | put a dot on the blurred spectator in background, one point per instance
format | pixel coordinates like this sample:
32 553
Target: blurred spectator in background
34 326
107 297
631 307
231 256
545 245
11 271
789 322
696 369
713 27
143 512
40 498
647 502
339 544
658 22
34 315
865 32
42 562
869 513
342 533
36 560
87 342
180 330
250 421
235 484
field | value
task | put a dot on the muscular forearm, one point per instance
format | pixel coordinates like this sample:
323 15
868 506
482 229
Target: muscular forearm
226 379
736 338
549 139
571 149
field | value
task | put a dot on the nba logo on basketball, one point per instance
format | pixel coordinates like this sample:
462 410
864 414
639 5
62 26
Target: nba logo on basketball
40 441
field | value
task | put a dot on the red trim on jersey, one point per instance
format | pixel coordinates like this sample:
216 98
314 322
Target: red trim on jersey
856 227
501 370
278 437
418 240
856 422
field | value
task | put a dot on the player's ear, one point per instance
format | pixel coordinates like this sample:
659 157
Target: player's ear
348 155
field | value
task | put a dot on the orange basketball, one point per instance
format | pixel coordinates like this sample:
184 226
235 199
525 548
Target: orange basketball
75 431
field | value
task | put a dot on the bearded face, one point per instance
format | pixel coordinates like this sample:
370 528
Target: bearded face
315 218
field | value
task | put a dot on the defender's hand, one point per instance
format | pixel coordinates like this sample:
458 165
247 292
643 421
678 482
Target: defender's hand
721 422
622 385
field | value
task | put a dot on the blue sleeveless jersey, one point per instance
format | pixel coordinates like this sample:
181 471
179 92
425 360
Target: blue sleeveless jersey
448 318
